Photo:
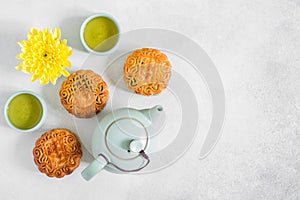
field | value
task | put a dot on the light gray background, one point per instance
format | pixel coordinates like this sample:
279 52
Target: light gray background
255 46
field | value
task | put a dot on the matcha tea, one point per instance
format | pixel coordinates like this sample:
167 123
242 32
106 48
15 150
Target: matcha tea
98 34
25 111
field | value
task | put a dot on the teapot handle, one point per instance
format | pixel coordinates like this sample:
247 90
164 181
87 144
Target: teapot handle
94 168
142 153
98 164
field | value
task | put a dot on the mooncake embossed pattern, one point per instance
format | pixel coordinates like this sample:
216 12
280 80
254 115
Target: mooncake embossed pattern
147 71
84 93
57 153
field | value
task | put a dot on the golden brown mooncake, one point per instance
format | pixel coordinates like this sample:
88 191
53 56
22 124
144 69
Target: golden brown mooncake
147 71
84 93
57 153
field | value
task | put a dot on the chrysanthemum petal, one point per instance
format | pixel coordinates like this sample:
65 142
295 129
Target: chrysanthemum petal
19 67
19 57
34 77
53 80
57 34
67 64
65 72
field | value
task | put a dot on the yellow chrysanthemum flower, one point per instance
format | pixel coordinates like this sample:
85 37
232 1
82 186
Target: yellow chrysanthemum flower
44 55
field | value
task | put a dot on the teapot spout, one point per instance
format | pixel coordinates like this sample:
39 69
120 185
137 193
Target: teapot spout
154 113
156 117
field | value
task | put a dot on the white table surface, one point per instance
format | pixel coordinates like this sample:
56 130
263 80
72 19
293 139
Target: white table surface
255 46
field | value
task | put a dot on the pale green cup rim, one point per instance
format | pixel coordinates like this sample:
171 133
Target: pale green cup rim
44 107
82 28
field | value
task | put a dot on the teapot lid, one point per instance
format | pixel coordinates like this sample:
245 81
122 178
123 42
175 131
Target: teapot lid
122 142
125 137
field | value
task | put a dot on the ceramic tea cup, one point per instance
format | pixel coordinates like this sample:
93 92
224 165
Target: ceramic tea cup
25 111
99 34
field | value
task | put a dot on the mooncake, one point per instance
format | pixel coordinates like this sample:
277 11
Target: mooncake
147 71
84 93
57 153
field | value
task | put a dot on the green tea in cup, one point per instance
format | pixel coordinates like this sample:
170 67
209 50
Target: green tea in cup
25 111
99 34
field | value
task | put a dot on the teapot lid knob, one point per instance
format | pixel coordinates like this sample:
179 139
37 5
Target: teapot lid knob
136 145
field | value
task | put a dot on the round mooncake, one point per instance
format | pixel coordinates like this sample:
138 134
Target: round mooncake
84 93
57 153
147 71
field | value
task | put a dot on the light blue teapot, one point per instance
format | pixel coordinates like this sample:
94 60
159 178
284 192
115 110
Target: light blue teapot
122 139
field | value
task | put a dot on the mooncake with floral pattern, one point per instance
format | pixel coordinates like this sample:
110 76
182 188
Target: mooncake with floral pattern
84 93
57 153
147 71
